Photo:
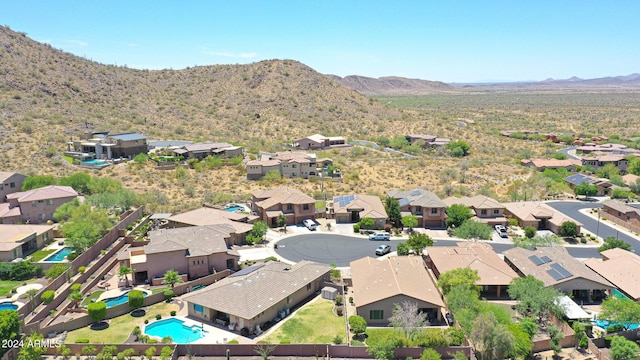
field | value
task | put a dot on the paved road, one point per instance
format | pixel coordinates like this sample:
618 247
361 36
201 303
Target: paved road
566 152
327 248
571 209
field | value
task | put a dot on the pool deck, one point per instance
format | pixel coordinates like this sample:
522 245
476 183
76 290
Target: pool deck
213 335
117 292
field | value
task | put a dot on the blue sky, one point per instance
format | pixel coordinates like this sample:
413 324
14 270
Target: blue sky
451 41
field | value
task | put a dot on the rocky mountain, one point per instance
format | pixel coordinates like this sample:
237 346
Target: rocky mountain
392 85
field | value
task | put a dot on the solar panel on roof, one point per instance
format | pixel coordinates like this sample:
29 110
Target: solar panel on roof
546 259
536 260
403 202
415 192
561 270
555 275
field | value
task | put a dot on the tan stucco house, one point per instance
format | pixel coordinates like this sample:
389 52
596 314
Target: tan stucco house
423 204
537 214
203 149
19 241
295 205
318 142
485 209
35 206
241 223
378 285
289 164
615 266
10 182
555 267
495 274
353 208
249 298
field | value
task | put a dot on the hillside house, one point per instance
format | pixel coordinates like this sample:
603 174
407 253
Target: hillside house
203 149
423 204
19 241
600 161
319 142
241 223
10 182
102 145
427 140
290 164
295 205
35 206
544 164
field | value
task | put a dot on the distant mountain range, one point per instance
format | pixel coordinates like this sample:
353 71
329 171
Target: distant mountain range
400 86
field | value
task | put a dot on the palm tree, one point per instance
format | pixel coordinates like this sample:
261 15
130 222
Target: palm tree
31 294
124 271
75 297
171 278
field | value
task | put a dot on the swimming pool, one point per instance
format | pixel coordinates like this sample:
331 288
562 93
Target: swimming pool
604 323
59 255
235 208
124 298
8 306
179 332
94 163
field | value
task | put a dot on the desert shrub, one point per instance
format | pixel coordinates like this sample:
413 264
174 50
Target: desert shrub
82 341
168 294
285 341
356 228
173 313
82 269
530 232
75 287
47 296
158 317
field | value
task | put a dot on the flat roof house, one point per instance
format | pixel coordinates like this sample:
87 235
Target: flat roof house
427 140
295 205
103 145
537 214
355 207
203 149
543 164
486 209
423 204
10 182
380 284
19 241
317 142
615 266
248 299
555 267
495 274
195 251
35 206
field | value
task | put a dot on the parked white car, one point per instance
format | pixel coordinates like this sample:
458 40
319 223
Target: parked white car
310 224
380 236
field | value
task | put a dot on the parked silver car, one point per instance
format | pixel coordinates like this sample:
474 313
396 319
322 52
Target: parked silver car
380 236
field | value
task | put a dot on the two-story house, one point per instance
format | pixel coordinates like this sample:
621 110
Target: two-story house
10 182
103 145
423 204
629 215
35 206
295 205
600 161
318 142
486 209
204 149
290 164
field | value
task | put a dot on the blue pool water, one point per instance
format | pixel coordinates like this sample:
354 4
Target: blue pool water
95 163
604 323
235 208
124 298
59 255
8 306
175 328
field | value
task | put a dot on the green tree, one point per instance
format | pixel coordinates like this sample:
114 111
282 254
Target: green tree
31 295
569 229
410 221
47 296
556 335
38 181
529 232
430 354
608 171
85 226
403 249
383 348
166 353
521 340
23 270
75 297
461 296
585 189
417 242
9 327
171 278
581 336
399 142
458 214
97 310
89 351
466 277
559 156
392 207
33 349
367 223
459 148
56 270
406 317
623 349
150 352
141 158
357 324
612 243
257 233
136 299
124 272
64 211
272 175
623 311
64 351
535 300
473 230
282 222
490 339
78 181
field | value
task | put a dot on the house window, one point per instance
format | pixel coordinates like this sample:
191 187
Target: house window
1 187
496 211
294 166
619 213
34 204
418 210
628 217
288 299
376 314
289 207
12 185
483 212
41 217
308 286
305 206
49 201
434 210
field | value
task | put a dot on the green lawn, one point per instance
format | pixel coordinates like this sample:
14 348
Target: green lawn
41 254
120 327
7 285
68 158
313 324
93 295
